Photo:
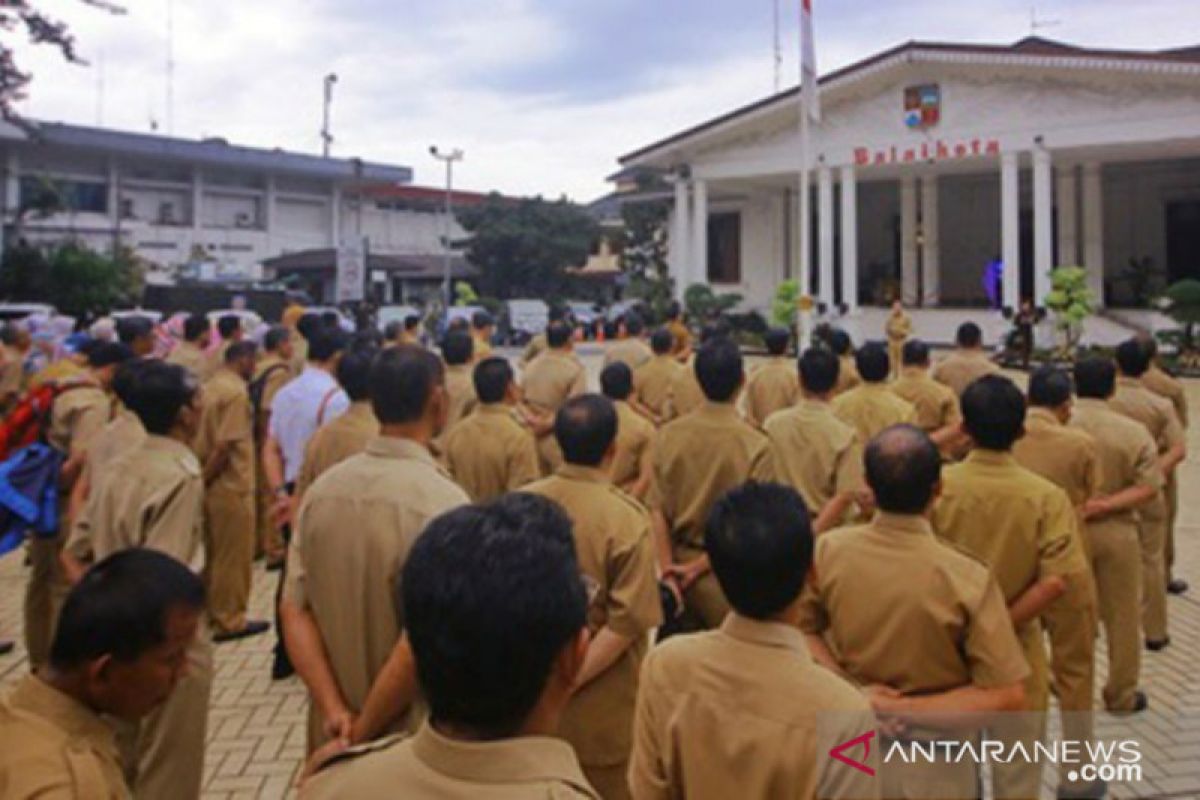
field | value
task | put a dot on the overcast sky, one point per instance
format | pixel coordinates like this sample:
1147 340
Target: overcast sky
543 95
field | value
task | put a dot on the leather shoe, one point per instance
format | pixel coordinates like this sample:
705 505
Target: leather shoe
6 647
251 628
1096 790
1177 586
1154 645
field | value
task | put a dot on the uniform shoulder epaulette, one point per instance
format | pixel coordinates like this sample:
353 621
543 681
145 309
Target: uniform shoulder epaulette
351 753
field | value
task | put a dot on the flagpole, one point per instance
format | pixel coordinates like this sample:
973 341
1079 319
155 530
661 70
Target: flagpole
805 277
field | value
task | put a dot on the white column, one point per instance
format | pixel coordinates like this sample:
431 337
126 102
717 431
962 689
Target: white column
1043 225
698 269
335 217
849 239
1093 230
268 220
197 201
908 240
804 273
1065 200
825 234
930 244
680 237
10 195
1010 228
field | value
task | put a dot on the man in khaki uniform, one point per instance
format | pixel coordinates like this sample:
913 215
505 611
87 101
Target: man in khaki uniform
552 379
225 447
189 353
631 349
967 363
355 527
935 403
229 331
843 348
697 458
773 385
490 452
516 616
1138 403
870 407
1068 458
154 498
1158 381
941 632
1130 478
458 349
632 468
272 372
616 556
1029 541
745 711
813 451
681 336
652 381
13 380
483 327
80 411
349 433
132 615
898 328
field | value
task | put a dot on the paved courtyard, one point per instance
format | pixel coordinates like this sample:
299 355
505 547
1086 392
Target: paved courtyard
256 727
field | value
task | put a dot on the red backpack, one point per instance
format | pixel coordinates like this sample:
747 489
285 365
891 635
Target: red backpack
28 421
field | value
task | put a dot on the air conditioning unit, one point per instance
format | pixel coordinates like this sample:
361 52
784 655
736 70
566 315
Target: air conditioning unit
242 220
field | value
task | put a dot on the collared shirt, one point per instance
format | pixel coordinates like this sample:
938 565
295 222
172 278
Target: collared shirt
848 377
215 360
78 414
1163 385
274 373
482 348
871 408
431 765
53 746
616 557
774 386
337 440
684 395
898 327
632 352
122 434
699 457
635 444
962 368
490 453
1124 448
936 404
652 382
681 335
1064 456
744 711
226 418
356 525
814 452
460 392
296 413
190 357
1135 401
553 378
537 345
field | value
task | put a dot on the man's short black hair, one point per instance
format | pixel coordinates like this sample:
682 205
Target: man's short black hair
903 466
969 335
819 370
873 362
402 381
674 310
126 378
194 326
411 322
915 353
1133 358
482 319
492 378
993 410
1095 378
759 539
105 354
325 343
354 372
662 342
491 595
228 325
330 319
1151 345
275 338
585 428
558 334
719 328
840 341
239 350
1049 387
719 369
634 324
777 340
367 338
616 381
392 330
130 329
457 347
158 392
309 325
120 607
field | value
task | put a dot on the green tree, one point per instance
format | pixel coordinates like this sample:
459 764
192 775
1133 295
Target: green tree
72 278
702 303
1183 306
783 306
1071 301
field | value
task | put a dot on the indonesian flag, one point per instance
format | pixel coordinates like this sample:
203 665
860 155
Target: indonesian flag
808 63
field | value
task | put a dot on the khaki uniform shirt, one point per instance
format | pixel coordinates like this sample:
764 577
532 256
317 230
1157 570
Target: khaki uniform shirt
190 357
1124 448
345 435
698 458
871 408
552 379
490 453
431 765
1158 416
61 370
632 352
226 417
898 327
1164 385
482 348
52 746
78 414
653 380
943 626
681 335
274 372
814 452
215 360
774 386
744 711
122 434
356 525
12 372
635 444
460 391
616 557
684 395
1064 456
963 367
936 404
537 345
848 377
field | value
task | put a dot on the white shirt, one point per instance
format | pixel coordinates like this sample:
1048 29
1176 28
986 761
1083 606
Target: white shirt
295 411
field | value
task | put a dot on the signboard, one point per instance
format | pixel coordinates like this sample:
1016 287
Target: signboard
929 151
922 106
351 271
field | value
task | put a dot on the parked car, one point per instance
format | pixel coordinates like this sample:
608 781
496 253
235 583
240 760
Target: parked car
344 322
524 319
461 312
250 320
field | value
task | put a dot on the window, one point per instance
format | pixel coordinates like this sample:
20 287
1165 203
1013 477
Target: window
725 248
49 195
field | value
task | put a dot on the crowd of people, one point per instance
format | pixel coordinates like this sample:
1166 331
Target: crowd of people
498 580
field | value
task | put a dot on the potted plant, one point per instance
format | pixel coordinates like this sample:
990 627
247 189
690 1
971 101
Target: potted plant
1071 302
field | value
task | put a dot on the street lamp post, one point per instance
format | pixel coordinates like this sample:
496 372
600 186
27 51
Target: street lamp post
448 158
326 135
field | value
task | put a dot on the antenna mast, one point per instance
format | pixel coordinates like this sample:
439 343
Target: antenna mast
778 49
170 111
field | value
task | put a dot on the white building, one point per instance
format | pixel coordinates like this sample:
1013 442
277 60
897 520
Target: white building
932 160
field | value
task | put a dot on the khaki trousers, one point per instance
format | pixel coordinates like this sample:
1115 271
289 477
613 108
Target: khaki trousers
1153 534
610 782
1116 565
1018 779
1172 492
164 752
895 352
229 539
45 594
1070 623
268 539
704 603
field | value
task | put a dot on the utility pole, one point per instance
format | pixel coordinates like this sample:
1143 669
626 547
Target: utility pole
326 136
448 158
